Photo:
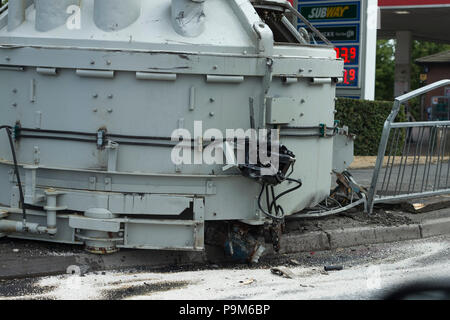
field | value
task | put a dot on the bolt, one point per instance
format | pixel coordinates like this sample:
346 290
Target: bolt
95 110
95 96
110 110
211 100
211 114
14 104
110 96
92 62
108 63
7 58
14 90
215 67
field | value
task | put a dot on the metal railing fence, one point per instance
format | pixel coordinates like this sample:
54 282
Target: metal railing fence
413 157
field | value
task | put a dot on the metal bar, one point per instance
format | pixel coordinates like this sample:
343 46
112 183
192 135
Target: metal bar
426 161
425 194
328 213
448 171
414 160
439 152
420 91
393 161
406 160
156 76
418 159
420 124
224 79
305 21
435 130
443 156
389 160
401 165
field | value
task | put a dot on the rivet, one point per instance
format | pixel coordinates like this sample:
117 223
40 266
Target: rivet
108 62
110 110
7 58
211 100
211 114
95 110
14 90
14 104
95 95
92 62
215 67
110 96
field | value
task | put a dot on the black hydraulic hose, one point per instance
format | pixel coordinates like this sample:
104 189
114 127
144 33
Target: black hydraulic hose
16 171
278 208
268 214
289 190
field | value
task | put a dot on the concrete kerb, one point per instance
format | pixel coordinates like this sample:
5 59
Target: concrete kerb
355 236
312 241
435 227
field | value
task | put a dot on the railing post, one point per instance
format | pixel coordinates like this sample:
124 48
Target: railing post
381 152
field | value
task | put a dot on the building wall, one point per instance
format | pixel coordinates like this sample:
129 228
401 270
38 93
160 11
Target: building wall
436 72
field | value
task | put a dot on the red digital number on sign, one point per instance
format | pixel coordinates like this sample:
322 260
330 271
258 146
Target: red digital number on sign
350 77
347 53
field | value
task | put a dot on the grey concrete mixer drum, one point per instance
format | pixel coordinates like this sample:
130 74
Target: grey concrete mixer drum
92 91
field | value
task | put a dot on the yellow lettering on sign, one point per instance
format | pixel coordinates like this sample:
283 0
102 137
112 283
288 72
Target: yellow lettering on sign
331 12
343 10
336 12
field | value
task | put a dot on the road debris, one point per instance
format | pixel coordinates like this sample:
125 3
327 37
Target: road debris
296 262
283 272
333 268
250 281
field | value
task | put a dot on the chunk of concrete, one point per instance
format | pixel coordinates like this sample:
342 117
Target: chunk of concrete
312 241
397 233
349 237
435 227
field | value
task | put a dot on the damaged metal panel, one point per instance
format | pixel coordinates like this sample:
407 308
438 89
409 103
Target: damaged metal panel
148 204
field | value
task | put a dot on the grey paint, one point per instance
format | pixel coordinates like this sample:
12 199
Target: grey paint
98 82
114 15
51 14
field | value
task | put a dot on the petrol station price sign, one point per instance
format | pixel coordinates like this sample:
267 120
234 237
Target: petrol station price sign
339 22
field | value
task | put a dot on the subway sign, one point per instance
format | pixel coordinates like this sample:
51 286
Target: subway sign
331 12
340 21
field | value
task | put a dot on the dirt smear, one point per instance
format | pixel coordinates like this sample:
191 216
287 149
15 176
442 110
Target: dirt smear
144 289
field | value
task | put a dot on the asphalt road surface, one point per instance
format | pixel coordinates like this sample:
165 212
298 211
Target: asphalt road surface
369 272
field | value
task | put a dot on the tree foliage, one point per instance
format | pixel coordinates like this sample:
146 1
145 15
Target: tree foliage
384 81
366 120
